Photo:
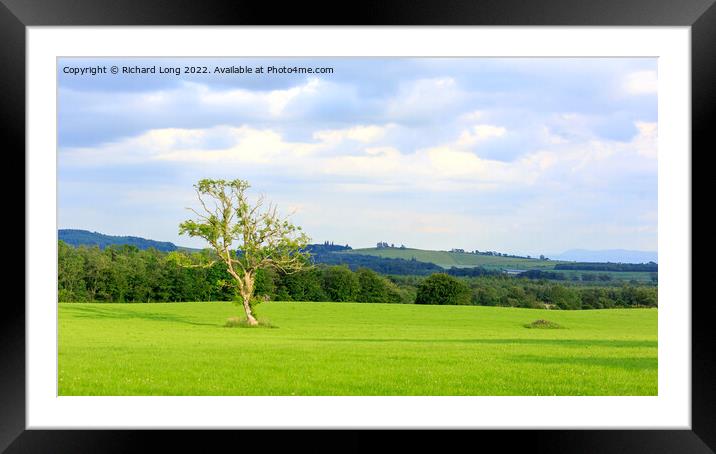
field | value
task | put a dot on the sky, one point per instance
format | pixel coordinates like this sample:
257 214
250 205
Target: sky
516 155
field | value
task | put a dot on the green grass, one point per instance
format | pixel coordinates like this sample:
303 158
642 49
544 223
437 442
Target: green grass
457 259
354 349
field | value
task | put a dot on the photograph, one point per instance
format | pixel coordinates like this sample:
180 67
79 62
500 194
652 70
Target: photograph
357 226
448 219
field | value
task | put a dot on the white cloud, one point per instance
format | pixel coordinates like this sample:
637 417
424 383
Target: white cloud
641 83
473 116
244 144
479 133
552 138
357 154
646 141
274 101
424 98
491 155
359 133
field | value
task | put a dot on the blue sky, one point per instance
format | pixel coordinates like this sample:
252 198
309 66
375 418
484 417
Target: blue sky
517 155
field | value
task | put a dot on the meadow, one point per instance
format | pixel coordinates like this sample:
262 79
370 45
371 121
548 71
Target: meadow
353 349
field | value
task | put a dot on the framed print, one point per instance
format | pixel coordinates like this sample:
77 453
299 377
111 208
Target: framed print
443 217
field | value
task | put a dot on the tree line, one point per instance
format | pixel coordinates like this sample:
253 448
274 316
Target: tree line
128 274
621 267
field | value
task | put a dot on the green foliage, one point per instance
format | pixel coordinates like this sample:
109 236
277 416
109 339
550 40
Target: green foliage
243 232
619 267
76 238
126 274
264 284
340 283
71 284
442 289
564 297
374 288
306 285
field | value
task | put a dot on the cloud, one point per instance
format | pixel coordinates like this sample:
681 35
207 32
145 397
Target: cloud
473 116
479 133
425 100
358 133
646 142
490 153
358 155
641 83
273 101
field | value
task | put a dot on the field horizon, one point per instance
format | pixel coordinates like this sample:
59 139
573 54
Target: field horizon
353 349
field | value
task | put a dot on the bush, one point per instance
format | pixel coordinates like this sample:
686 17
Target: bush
442 289
543 324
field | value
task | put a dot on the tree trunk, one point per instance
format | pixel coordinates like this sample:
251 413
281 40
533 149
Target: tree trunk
246 289
247 308
246 294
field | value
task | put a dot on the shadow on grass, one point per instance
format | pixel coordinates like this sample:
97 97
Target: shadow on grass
635 364
578 343
116 313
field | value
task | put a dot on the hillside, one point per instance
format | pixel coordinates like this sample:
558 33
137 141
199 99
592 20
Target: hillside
447 259
415 262
85 237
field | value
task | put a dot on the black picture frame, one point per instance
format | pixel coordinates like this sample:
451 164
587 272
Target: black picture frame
16 15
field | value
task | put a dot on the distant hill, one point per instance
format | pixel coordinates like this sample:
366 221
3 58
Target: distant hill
401 260
87 238
609 255
329 254
449 259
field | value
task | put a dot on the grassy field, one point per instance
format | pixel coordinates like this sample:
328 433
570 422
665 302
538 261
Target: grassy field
354 349
457 259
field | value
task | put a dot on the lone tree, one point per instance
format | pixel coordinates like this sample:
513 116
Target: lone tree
246 237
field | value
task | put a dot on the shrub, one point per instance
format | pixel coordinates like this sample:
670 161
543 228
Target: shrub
442 289
543 324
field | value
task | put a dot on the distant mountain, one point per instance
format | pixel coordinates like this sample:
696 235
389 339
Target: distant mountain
85 237
607 255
